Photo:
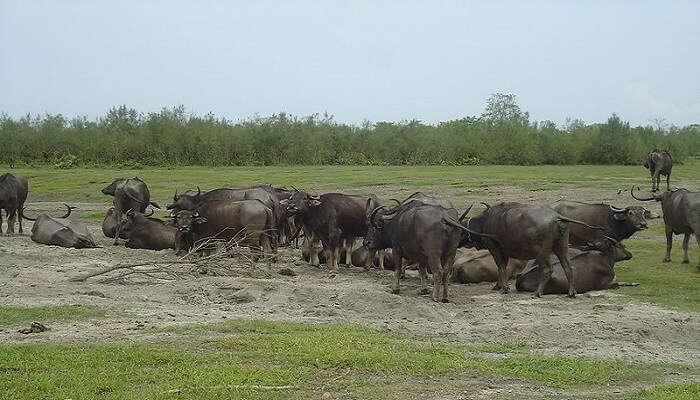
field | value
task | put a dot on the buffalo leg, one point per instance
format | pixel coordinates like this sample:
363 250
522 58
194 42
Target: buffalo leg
686 241
313 250
563 256
349 244
545 276
669 243
446 272
11 215
0 220
369 261
381 256
335 258
118 227
668 182
397 272
423 272
436 268
697 239
20 213
502 263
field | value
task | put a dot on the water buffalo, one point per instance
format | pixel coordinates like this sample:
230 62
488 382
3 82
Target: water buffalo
594 267
475 266
526 232
681 210
659 162
619 223
331 218
129 194
13 194
61 231
250 220
426 234
143 232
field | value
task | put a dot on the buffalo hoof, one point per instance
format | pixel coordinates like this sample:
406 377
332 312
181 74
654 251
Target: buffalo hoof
424 291
395 291
667 259
505 290
445 300
686 261
496 287
536 295
571 295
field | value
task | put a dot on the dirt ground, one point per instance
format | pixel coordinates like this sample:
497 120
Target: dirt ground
603 324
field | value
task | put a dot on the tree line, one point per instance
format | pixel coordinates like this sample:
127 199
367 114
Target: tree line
502 134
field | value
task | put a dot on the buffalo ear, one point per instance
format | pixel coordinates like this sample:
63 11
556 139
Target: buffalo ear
314 203
619 216
200 220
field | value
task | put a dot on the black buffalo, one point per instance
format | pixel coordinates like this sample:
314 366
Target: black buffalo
594 267
423 233
681 210
659 162
332 218
619 223
60 231
526 232
224 220
143 232
129 194
13 194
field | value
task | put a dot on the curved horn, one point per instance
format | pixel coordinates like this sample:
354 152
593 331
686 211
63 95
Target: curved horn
199 191
466 212
175 196
152 212
68 211
637 198
615 209
398 203
615 242
373 214
295 189
486 204
25 216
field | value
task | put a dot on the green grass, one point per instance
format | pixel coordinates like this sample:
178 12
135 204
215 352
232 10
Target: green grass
11 315
673 285
85 184
346 359
675 391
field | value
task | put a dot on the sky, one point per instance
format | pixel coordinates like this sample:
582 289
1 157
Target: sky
357 60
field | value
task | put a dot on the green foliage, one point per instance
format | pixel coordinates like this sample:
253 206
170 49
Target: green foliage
10 315
675 391
503 134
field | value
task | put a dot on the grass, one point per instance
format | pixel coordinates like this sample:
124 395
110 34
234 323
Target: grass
675 391
348 360
85 184
11 315
673 285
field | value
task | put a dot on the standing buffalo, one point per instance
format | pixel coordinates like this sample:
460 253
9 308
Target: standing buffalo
61 231
226 220
681 210
594 267
619 223
331 218
143 232
426 234
13 194
659 162
129 194
526 232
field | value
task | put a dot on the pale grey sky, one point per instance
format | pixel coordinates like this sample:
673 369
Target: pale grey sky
380 60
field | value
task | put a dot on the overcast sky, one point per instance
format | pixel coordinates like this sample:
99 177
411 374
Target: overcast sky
379 60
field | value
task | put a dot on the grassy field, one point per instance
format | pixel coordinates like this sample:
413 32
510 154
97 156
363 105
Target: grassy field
85 184
10 315
259 359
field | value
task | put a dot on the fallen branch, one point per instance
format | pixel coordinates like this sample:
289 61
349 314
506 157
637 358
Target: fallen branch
253 387
82 278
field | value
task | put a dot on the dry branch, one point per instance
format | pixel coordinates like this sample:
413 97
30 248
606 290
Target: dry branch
249 387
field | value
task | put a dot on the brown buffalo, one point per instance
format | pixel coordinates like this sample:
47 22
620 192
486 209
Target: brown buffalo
659 162
61 231
143 232
619 223
13 194
475 266
129 194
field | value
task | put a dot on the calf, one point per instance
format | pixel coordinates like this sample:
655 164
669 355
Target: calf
594 267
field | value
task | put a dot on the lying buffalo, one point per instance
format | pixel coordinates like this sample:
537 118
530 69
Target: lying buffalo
61 231
475 266
358 257
515 230
681 210
659 162
619 223
594 267
143 232
129 194
224 220
13 194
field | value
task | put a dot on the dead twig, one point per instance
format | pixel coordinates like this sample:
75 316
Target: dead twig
250 387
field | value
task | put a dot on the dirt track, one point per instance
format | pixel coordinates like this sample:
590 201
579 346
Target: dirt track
601 324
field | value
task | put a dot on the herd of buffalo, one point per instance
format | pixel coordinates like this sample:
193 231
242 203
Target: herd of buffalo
565 247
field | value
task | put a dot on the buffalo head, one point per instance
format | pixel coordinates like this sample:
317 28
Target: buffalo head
610 245
376 218
632 216
186 201
300 202
112 187
186 220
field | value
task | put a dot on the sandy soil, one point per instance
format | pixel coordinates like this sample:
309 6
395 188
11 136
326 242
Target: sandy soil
603 324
